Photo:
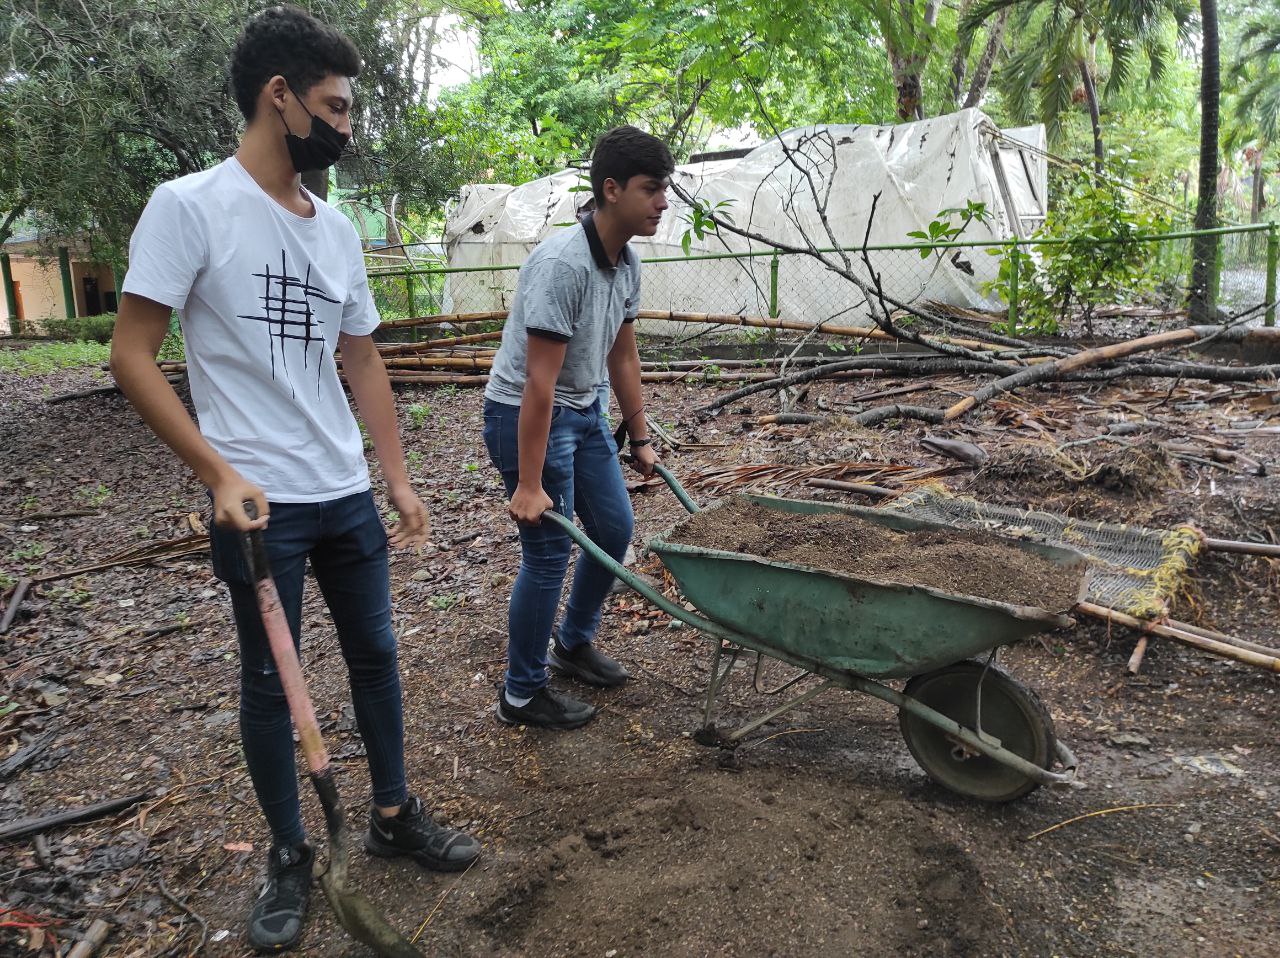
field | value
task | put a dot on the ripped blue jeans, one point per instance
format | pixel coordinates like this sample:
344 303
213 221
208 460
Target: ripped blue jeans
347 545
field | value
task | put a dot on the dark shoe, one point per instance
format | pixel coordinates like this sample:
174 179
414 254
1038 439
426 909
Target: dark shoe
413 833
588 664
547 709
276 921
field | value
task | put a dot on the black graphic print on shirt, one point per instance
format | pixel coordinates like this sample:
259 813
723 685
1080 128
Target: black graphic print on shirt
288 315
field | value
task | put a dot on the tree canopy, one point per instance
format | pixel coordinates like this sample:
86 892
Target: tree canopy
100 102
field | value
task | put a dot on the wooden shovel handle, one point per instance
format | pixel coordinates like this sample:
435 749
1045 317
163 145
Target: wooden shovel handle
282 649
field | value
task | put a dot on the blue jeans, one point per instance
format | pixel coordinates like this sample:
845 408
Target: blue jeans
347 545
581 473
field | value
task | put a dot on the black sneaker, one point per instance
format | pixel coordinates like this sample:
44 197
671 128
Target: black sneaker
275 923
588 664
547 709
413 833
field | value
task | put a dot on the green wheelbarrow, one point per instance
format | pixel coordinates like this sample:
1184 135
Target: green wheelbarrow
970 726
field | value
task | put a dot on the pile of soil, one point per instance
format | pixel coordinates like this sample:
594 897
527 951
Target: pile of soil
1139 470
959 561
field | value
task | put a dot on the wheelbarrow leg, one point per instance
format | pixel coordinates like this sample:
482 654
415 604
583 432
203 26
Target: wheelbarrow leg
738 734
707 734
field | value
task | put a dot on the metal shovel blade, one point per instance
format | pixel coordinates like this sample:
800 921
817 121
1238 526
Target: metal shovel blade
355 913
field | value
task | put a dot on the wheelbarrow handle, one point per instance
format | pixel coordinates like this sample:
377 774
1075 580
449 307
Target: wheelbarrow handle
635 582
685 499
280 638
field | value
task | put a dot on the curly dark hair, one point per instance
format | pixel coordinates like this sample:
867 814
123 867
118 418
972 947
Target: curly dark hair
292 43
625 152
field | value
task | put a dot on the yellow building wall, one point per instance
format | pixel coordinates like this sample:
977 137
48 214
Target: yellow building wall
40 288
39 283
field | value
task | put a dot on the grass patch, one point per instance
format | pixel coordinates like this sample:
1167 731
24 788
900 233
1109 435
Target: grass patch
44 358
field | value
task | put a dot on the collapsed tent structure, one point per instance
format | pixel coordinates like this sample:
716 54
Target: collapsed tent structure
859 184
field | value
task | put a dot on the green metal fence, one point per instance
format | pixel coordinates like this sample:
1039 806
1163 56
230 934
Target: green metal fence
995 275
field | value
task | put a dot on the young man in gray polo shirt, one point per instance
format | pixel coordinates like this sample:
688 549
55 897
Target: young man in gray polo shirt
571 329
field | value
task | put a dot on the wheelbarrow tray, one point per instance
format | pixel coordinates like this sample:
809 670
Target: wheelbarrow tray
874 628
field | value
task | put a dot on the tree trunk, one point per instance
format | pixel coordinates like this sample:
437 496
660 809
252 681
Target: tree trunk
906 79
1257 200
1203 300
959 59
1095 117
982 72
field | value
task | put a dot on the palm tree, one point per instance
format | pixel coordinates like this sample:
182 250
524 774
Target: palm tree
1057 66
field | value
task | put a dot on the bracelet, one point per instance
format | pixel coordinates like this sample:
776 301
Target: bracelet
640 442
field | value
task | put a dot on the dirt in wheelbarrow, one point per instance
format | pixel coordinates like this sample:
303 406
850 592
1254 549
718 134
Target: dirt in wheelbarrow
957 561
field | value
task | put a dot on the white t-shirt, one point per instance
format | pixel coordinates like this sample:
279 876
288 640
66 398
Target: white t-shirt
262 294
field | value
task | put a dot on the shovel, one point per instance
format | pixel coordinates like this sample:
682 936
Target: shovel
355 913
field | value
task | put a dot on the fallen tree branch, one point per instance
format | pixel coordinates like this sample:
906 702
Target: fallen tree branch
861 488
909 365
42 823
1058 368
768 322
15 599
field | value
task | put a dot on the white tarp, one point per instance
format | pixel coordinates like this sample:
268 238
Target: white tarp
910 173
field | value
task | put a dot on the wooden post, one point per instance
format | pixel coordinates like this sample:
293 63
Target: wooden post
68 289
10 295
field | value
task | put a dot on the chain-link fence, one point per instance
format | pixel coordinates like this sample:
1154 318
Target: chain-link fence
1027 280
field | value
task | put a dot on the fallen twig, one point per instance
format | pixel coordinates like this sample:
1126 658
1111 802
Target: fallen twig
93 939
179 903
1103 811
15 599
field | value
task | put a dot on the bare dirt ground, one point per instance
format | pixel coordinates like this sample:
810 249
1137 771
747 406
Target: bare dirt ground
627 838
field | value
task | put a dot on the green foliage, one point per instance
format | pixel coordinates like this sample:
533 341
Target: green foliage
173 349
1099 261
45 358
95 329
419 414
93 496
702 220
943 228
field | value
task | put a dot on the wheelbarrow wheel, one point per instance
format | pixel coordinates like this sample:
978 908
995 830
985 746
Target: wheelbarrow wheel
1010 712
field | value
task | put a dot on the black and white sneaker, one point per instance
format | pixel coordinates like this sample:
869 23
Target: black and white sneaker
414 834
587 664
277 917
547 709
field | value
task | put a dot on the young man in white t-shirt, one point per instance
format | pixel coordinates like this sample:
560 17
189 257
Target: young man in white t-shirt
269 282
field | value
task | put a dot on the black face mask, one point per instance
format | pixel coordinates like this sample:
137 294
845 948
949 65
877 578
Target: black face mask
320 150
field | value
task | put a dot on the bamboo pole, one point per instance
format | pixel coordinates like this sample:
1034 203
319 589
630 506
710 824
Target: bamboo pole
1270 663
1243 548
765 322
493 316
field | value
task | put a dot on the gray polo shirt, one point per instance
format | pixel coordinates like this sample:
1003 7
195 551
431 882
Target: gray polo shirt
570 292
